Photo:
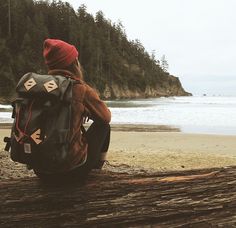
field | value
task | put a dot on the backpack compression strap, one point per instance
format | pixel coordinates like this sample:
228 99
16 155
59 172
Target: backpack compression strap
21 132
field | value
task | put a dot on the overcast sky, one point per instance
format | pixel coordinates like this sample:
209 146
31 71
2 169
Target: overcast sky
198 37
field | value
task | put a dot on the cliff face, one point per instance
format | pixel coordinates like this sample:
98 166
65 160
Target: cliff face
141 84
171 86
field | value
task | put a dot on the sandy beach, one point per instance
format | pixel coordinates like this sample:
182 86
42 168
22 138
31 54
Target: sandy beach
149 151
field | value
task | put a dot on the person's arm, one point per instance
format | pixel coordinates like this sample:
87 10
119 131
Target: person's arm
97 109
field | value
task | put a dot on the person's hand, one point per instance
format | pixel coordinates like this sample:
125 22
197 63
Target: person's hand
86 119
86 116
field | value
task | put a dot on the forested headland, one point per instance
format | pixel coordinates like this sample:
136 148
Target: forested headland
116 66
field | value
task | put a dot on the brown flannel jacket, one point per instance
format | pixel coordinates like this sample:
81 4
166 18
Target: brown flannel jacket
85 103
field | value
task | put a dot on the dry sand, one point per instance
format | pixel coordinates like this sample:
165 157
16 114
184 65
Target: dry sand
150 151
172 150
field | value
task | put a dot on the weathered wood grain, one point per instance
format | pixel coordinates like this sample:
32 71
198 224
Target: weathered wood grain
199 198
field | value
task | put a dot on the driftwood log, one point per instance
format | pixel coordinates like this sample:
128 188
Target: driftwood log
200 198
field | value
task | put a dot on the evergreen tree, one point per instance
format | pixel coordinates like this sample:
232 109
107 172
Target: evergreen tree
164 63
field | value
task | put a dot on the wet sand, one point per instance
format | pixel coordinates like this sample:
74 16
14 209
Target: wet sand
149 149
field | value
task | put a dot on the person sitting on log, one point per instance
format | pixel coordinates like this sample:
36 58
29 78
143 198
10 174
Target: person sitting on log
88 148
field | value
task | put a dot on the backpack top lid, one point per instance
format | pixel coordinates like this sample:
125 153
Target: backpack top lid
36 85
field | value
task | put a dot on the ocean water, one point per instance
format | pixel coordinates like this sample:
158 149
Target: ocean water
211 115
214 115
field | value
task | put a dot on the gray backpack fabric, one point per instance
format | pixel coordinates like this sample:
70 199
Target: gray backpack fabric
42 119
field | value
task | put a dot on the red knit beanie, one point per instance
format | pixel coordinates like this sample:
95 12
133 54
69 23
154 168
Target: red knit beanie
58 54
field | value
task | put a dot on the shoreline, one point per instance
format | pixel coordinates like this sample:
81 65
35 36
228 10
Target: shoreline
148 149
154 128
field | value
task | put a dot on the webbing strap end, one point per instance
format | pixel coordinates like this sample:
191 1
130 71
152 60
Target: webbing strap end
7 140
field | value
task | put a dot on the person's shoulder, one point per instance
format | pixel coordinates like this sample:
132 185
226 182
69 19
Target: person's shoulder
89 89
92 92
86 88
81 88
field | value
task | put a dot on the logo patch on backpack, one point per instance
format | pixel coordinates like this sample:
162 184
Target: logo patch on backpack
50 86
36 136
30 84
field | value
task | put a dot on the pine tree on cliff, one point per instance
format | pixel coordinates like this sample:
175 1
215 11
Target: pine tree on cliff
164 64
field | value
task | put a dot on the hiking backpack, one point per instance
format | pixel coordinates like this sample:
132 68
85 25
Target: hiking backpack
42 118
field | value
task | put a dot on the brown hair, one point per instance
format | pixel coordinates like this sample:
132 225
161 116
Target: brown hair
76 69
